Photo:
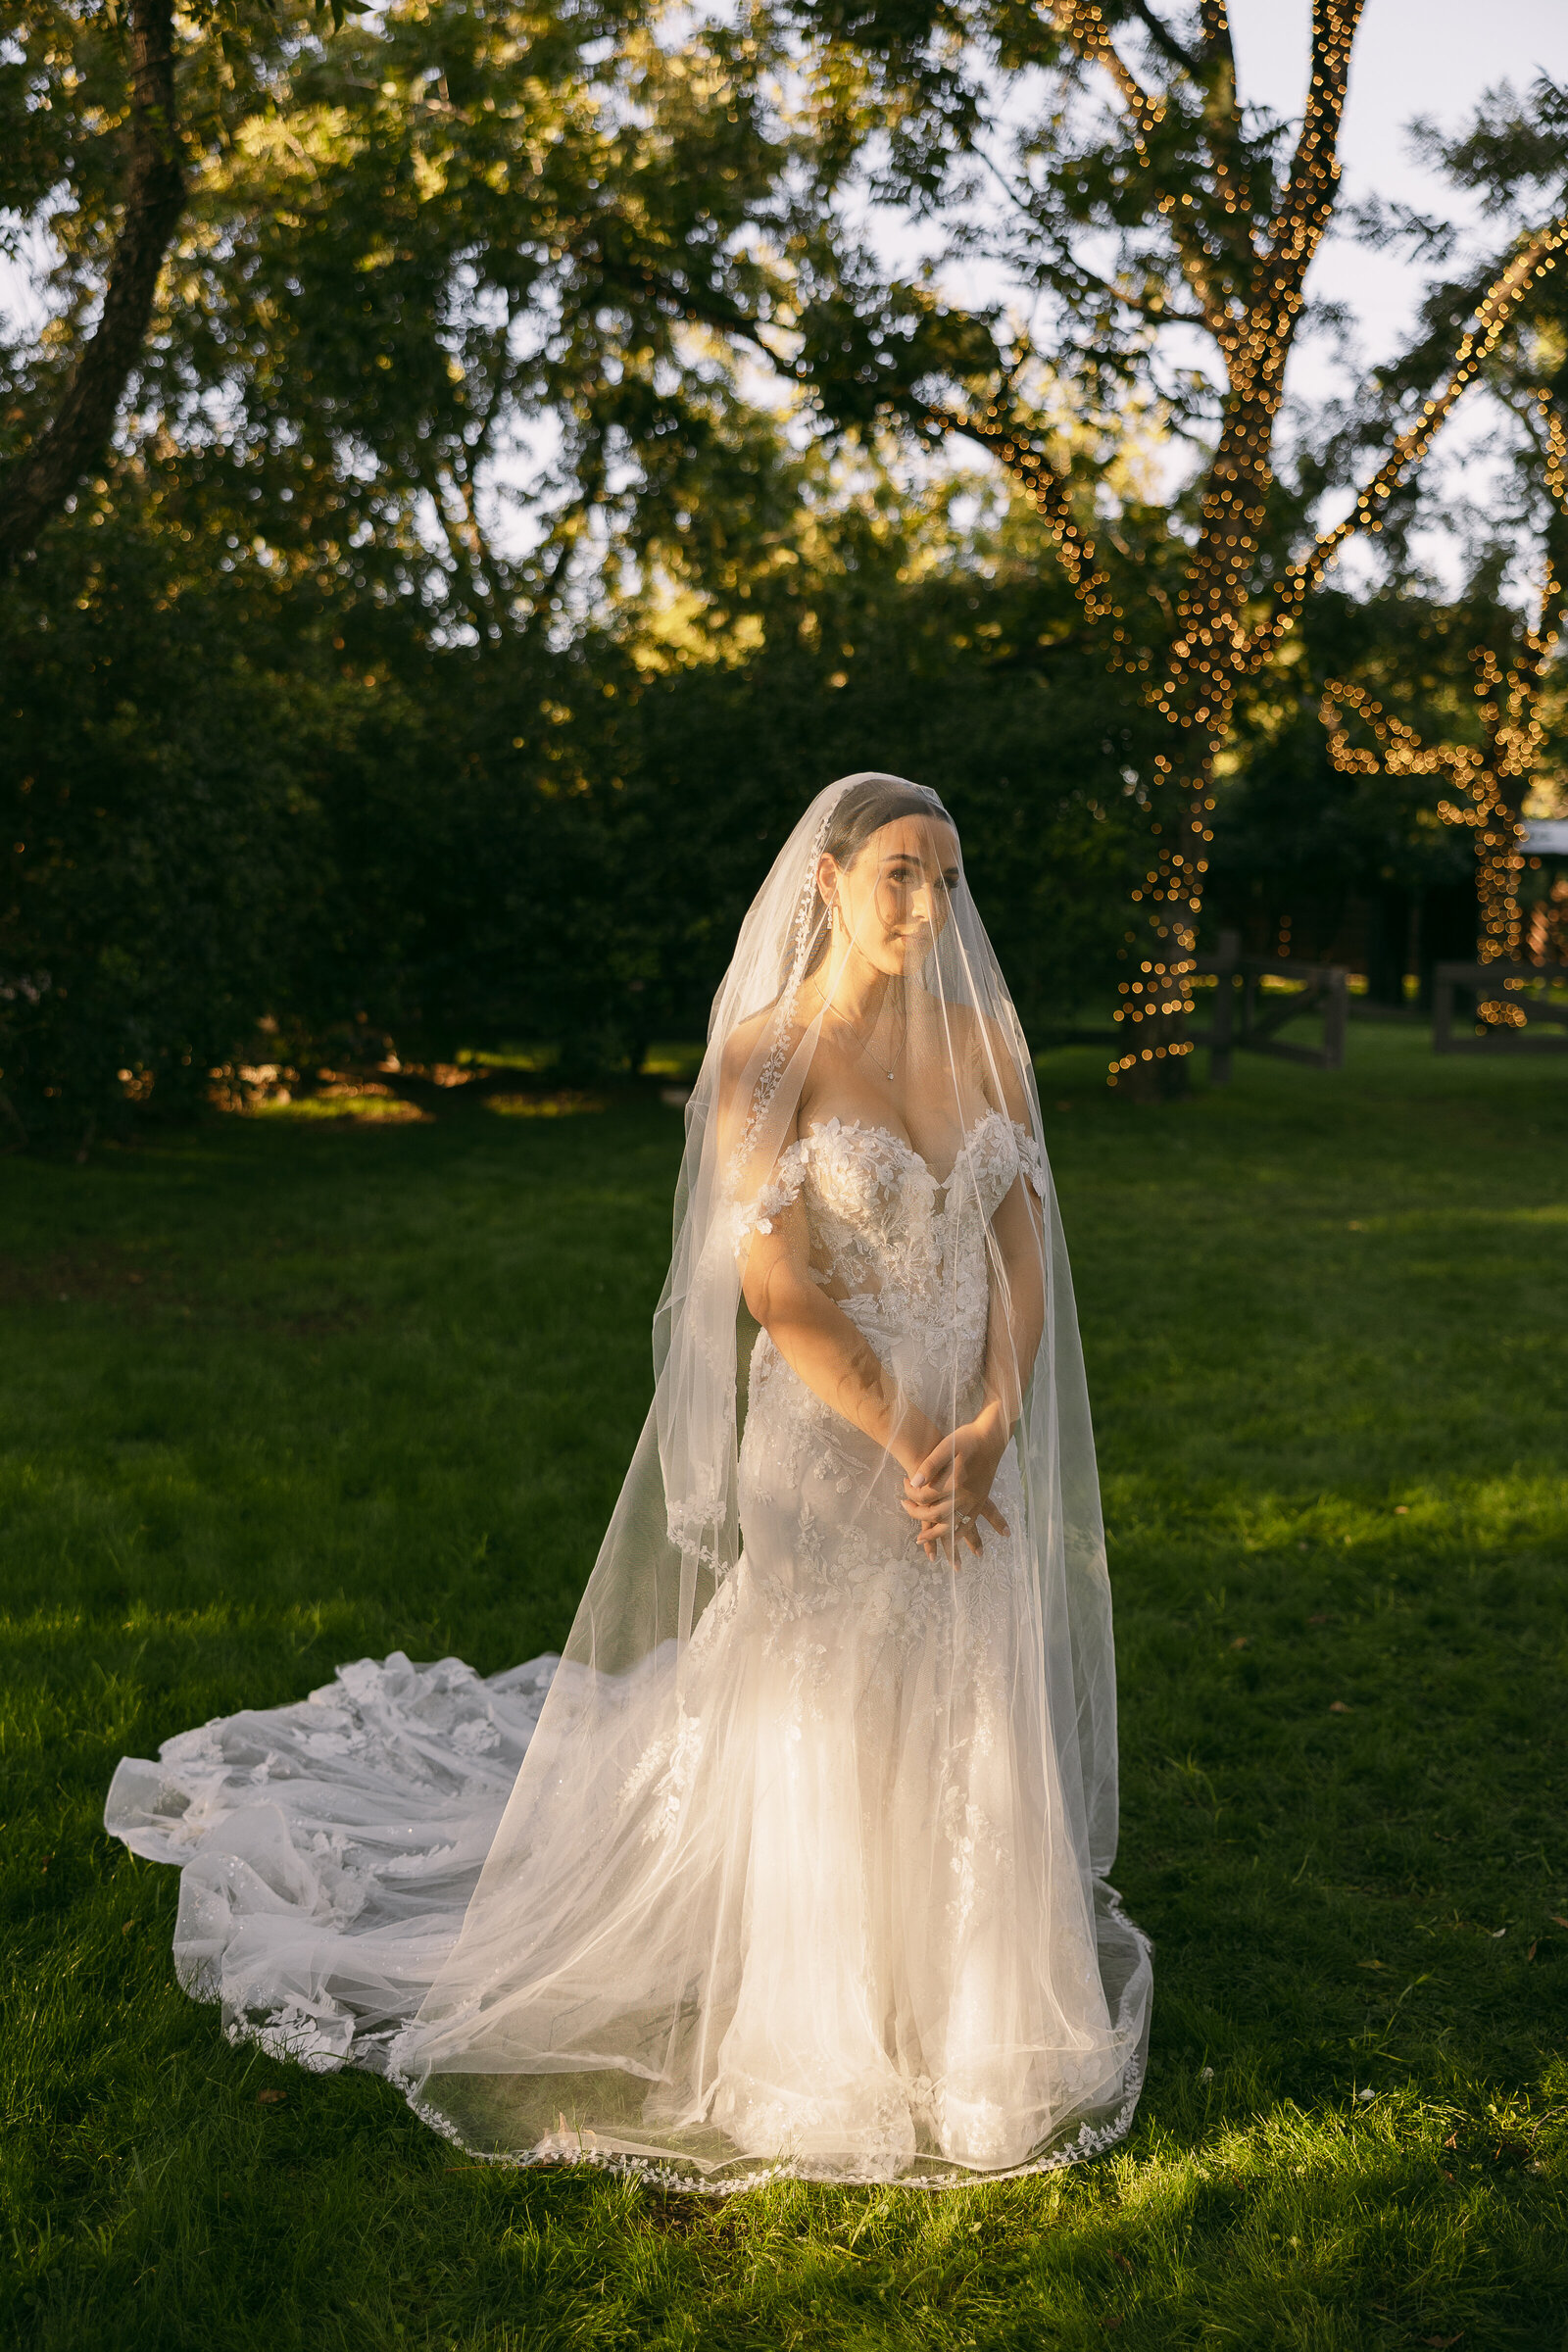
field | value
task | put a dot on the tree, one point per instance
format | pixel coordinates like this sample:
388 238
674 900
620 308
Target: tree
1309 853
38 482
427 311
1492 776
1513 154
1138 197
101 118
461 333
440 243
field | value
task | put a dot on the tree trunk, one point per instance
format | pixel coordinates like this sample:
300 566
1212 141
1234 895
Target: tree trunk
1156 1053
1204 663
1387 946
38 484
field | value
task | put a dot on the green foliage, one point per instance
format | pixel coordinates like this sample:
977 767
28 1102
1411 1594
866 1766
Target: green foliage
514 523
276 1395
982 687
64 106
454 232
1298 839
417 248
161 858
231 795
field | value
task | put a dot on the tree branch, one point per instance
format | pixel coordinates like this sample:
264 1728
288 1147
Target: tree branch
1085 27
1214 17
466 567
1047 486
40 482
1495 308
1164 39
483 557
685 297
1554 594
1307 206
1222 122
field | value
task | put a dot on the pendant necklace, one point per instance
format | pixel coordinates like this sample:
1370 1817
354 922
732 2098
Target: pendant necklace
876 1065
828 1004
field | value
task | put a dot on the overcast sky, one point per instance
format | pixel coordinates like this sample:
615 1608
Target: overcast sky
1412 57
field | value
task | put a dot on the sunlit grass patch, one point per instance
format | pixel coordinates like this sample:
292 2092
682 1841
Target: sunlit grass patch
534 1059
564 1103
679 1061
373 1102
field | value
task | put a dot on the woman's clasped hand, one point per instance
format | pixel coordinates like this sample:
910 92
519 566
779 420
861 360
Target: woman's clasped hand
949 1492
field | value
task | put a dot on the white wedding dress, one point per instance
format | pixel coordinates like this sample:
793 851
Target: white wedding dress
794 1862
874 1872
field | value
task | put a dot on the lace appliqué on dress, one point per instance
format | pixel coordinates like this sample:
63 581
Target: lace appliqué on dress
328 1849
781 1191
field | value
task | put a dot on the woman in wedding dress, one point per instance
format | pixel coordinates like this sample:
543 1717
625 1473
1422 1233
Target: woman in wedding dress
794 1862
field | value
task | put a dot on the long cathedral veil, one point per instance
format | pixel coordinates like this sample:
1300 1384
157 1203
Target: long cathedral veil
584 2005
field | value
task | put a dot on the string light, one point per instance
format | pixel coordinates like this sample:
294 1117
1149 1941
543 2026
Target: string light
1494 777
1497 306
1249 286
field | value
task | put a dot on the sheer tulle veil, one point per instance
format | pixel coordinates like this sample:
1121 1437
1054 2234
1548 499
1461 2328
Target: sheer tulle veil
522 2006
797 1860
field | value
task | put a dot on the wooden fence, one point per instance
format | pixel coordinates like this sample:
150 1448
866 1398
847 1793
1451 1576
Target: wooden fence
1321 989
1317 988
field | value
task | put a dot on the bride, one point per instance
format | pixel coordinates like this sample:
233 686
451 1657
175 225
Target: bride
794 1863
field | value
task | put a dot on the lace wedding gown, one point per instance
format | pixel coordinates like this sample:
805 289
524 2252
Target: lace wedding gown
814 1901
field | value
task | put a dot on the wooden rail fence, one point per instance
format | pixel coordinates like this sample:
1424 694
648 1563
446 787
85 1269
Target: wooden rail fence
1322 989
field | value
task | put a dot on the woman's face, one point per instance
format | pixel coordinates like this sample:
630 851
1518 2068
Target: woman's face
895 896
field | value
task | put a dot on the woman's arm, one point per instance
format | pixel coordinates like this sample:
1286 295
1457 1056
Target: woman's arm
822 1346
949 1492
1017 1314
812 1332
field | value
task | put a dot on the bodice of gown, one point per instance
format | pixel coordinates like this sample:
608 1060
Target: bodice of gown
902 1253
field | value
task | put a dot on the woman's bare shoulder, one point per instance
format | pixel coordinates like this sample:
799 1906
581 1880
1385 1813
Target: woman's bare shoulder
742 1066
746 1039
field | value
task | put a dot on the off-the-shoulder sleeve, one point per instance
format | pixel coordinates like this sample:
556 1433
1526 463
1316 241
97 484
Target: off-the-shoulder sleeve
1031 1161
781 1191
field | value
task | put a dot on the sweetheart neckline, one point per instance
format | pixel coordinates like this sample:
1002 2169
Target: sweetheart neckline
876 1127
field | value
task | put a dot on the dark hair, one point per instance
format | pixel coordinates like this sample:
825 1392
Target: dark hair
860 810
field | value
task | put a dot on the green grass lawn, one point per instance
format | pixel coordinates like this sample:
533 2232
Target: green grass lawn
275 1394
